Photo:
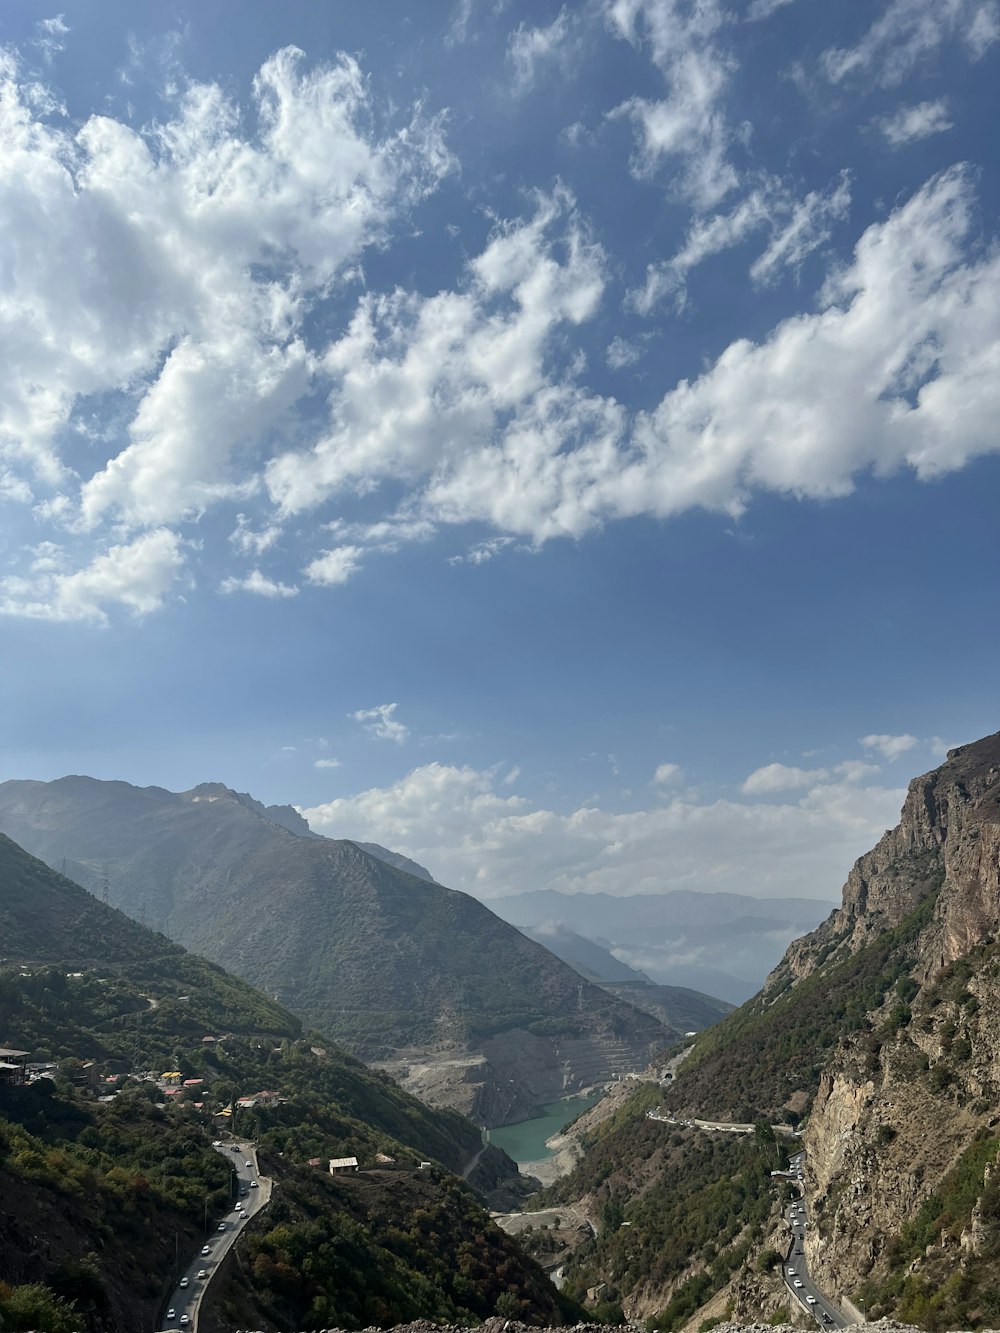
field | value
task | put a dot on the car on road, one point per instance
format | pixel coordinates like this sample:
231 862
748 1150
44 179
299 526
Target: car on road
171 1313
253 1184
811 1300
206 1249
222 1226
797 1283
183 1282
203 1272
791 1272
185 1319
248 1165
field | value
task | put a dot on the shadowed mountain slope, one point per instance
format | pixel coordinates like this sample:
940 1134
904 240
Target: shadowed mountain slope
396 967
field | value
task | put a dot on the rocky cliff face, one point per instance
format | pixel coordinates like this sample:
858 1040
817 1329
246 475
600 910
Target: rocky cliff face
904 1128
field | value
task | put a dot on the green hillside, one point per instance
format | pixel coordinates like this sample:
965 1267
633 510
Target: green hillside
113 1183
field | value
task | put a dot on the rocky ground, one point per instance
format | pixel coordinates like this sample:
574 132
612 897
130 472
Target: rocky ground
498 1325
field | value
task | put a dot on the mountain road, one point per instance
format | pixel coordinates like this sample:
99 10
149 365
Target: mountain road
253 1194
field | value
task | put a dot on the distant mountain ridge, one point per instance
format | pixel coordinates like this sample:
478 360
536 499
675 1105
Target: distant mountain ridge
397 967
721 944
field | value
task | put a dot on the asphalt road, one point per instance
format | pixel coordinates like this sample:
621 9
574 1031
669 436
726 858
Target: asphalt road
794 1269
187 1300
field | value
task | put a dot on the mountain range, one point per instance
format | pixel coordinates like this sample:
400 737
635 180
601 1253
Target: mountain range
458 1004
98 1196
722 944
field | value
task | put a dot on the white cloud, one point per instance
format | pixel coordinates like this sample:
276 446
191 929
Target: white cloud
763 9
334 567
668 773
168 272
249 541
622 353
796 227
258 583
530 50
326 763
889 747
810 226
784 777
908 32
780 777
137 575
482 552
898 369
450 396
494 843
381 722
443 384
910 123
688 123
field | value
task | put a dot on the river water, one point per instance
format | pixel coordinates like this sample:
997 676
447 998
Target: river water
526 1142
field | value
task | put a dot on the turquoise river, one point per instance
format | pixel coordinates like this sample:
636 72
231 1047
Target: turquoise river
526 1142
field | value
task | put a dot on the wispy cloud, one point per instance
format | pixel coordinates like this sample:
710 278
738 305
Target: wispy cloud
909 123
381 722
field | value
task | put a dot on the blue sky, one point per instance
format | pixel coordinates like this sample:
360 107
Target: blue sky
558 442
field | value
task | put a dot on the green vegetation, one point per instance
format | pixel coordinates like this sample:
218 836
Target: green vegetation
696 1201
936 1295
136 1179
771 1047
387 1248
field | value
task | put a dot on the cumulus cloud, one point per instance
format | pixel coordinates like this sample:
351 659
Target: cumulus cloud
135 575
910 123
688 123
494 842
907 32
326 763
668 773
334 567
381 722
889 747
785 777
208 237
258 583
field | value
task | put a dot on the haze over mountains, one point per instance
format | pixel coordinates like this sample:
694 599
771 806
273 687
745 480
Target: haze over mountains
456 1002
722 944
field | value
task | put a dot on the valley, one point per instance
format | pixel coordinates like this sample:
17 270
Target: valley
831 1144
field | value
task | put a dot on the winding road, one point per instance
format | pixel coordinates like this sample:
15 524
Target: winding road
794 1269
254 1194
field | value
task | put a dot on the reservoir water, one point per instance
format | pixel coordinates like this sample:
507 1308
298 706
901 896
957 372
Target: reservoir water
526 1142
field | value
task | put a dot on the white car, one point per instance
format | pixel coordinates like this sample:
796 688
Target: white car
791 1272
248 1165
185 1319
183 1282
206 1249
796 1283
171 1313
253 1184
811 1300
222 1226
203 1272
